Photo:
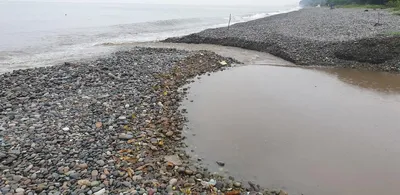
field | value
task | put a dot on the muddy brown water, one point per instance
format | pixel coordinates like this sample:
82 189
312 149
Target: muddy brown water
309 131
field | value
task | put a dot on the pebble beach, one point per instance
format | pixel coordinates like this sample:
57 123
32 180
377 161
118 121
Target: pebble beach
364 38
109 126
113 125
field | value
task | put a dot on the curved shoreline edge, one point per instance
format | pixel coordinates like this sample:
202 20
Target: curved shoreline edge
109 126
316 36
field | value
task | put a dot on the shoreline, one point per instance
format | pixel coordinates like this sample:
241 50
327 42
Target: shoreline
106 127
113 125
316 36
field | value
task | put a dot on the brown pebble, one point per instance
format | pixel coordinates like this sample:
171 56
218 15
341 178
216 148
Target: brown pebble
83 166
188 172
95 173
65 185
66 169
106 172
26 182
169 133
283 193
99 124
84 182
106 183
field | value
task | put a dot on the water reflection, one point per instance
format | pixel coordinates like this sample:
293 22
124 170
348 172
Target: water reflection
378 81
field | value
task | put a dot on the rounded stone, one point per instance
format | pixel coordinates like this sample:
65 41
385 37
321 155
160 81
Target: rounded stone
188 172
19 190
173 181
237 184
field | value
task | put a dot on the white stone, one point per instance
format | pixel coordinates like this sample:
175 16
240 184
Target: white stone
173 181
19 190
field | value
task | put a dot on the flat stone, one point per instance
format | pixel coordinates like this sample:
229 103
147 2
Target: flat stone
169 133
16 152
127 184
100 192
94 183
19 190
174 159
17 178
125 136
136 178
26 182
28 168
96 189
83 166
5 190
84 182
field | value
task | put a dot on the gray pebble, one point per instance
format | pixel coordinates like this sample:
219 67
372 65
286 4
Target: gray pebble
127 184
55 175
100 162
94 183
125 136
173 181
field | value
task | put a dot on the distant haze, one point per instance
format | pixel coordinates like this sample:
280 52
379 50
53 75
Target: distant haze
186 2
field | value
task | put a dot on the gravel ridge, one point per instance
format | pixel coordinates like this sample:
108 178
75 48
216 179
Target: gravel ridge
316 36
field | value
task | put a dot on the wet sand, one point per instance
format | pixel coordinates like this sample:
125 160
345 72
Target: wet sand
302 130
243 55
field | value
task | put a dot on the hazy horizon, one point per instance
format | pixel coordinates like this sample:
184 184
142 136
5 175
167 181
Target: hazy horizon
179 2
36 32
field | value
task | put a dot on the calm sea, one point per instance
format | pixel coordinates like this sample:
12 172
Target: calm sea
45 33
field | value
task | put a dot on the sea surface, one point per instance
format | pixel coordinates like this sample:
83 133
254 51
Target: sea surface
46 33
